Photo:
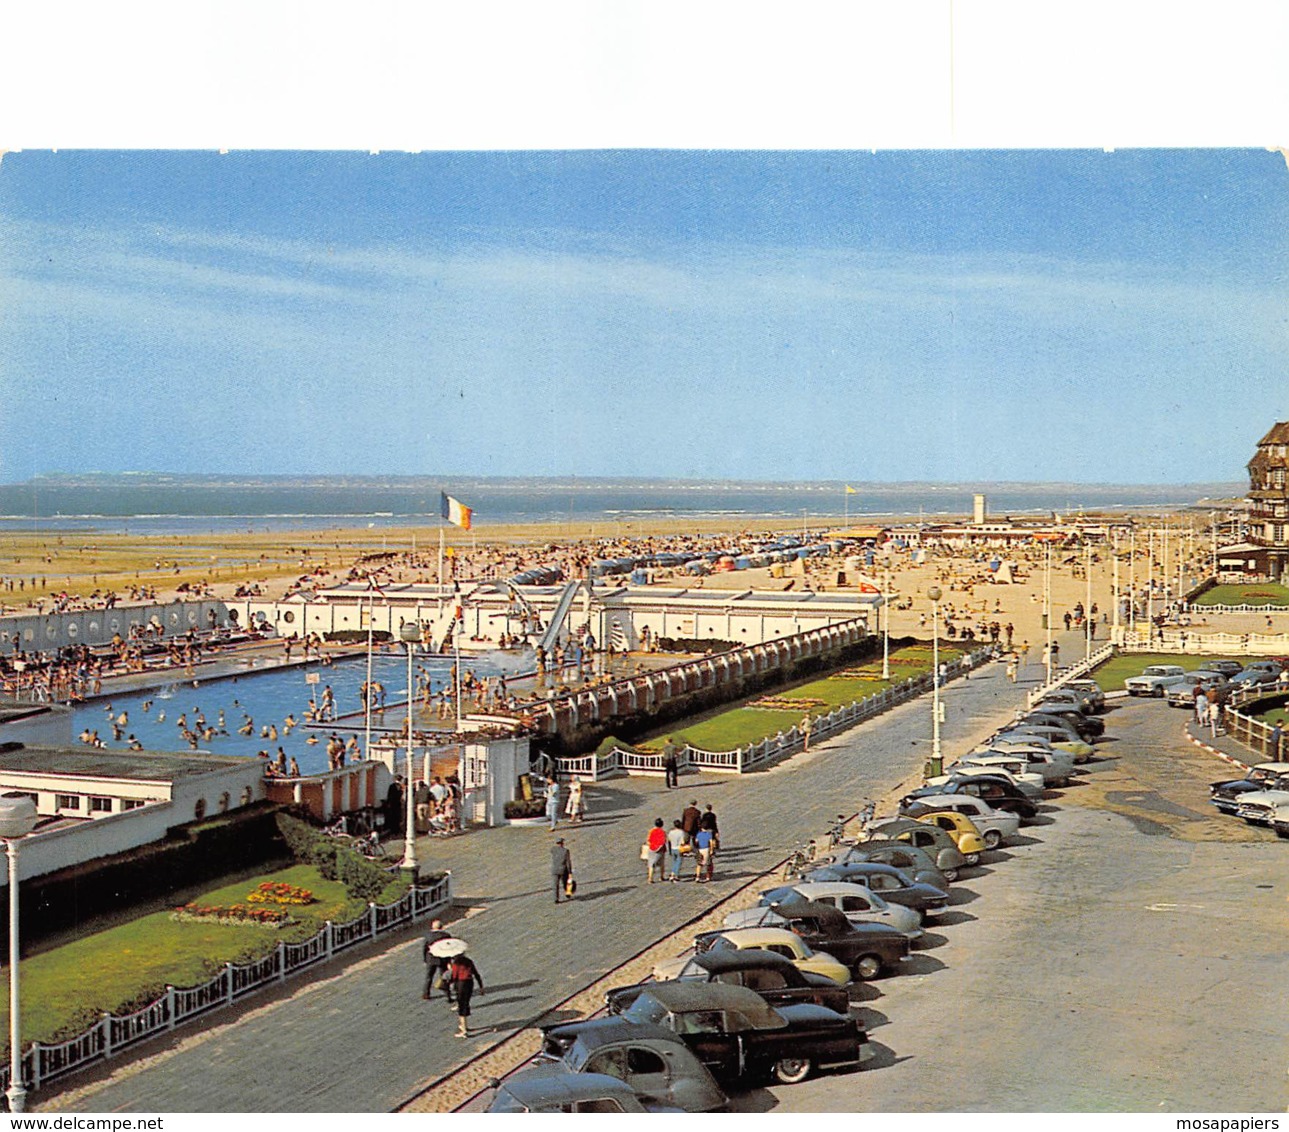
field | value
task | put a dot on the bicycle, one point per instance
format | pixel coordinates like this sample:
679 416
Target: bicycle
799 860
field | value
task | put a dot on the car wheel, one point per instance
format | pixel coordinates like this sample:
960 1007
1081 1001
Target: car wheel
972 858
1159 693
792 1070
993 839
868 967
950 875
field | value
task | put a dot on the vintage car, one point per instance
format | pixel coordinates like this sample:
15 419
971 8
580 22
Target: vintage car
570 1092
654 1062
995 826
1256 673
867 949
1052 766
1086 727
1155 680
1226 795
1091 690
1065 699
895 886
1182 694
776 939
918 863
1227 668
1015 767
858 904
1000 792
949 856
1258 807
961 829
1058 739
739 1036
776 979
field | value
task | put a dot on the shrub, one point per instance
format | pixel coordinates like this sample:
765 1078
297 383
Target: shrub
525 808
332 859
610 743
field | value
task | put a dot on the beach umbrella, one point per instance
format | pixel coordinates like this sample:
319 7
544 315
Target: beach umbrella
448 948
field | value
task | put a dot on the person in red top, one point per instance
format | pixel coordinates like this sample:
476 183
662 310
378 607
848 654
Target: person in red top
655 845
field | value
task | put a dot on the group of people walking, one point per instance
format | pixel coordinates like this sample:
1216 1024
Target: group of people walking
694 834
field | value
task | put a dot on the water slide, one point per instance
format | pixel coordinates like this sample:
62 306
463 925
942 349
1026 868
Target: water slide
551 633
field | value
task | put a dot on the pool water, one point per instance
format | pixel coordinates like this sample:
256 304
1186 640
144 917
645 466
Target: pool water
268 697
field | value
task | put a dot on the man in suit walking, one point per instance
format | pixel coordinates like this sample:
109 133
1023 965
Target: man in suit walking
561 867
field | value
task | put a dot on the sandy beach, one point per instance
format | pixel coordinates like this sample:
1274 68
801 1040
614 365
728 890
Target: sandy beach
36 566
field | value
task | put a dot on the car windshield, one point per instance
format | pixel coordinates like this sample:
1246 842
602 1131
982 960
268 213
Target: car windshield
1155 670
646 1008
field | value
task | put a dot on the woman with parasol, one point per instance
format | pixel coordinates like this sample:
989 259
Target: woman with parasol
462 975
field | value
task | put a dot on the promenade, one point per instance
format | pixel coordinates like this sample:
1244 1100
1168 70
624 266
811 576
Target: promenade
359 1037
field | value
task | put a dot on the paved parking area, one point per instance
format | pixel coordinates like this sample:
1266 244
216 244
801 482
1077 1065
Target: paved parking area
1127 956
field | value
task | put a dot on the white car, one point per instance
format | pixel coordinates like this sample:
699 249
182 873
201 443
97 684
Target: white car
1258 807
995 826
1031 787
1155 680
859 904
1030 781
1055 767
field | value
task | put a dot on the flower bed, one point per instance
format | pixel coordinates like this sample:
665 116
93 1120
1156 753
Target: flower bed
279 893
232 914
787 703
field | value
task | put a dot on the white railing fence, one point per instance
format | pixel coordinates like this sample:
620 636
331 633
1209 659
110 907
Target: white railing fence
45 1062
1063 676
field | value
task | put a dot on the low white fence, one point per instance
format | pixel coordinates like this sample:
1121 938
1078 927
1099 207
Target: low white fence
785 743
1190 640
45 1062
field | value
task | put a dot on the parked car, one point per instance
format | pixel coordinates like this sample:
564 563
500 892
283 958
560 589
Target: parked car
1256 673
570 1092
961 829
1182 694
995 826
775 978
1091 689
1258 807
740 1037
1086 727
1059 739
657 1065
858 904
867 949
1280 820
1065 699
898 854
948 856
778 940
1227 794
1227 668
1017 768
895 886
1053 767
1001 793
1154 680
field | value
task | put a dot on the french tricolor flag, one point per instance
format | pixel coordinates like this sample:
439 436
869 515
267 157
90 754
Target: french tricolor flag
454 511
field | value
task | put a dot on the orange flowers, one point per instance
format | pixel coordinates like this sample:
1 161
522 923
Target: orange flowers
270 892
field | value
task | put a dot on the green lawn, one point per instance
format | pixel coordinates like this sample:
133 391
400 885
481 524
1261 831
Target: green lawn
740 725
1249 593
1111 675
67 987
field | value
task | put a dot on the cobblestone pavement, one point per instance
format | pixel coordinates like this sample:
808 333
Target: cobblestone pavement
360 1038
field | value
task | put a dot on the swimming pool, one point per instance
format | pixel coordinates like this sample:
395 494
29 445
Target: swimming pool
267 698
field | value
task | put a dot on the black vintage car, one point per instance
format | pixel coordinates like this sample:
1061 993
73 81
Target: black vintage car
1000 793
739 1036
775 978
893 885
910 858
1089 727
867 949
1227 795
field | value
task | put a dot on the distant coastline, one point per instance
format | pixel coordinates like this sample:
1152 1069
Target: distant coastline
159 503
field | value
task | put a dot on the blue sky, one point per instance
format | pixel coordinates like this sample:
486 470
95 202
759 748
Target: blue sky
1082 316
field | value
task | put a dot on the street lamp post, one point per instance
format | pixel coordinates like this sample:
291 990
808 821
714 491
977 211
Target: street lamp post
410 633
17 819
937 760
886 626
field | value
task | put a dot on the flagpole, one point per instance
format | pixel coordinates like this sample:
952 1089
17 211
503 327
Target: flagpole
371 617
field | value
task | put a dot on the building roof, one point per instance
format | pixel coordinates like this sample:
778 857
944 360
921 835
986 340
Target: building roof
1279 434
138 766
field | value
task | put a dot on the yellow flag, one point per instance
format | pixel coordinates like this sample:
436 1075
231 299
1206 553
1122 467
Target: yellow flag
850 490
